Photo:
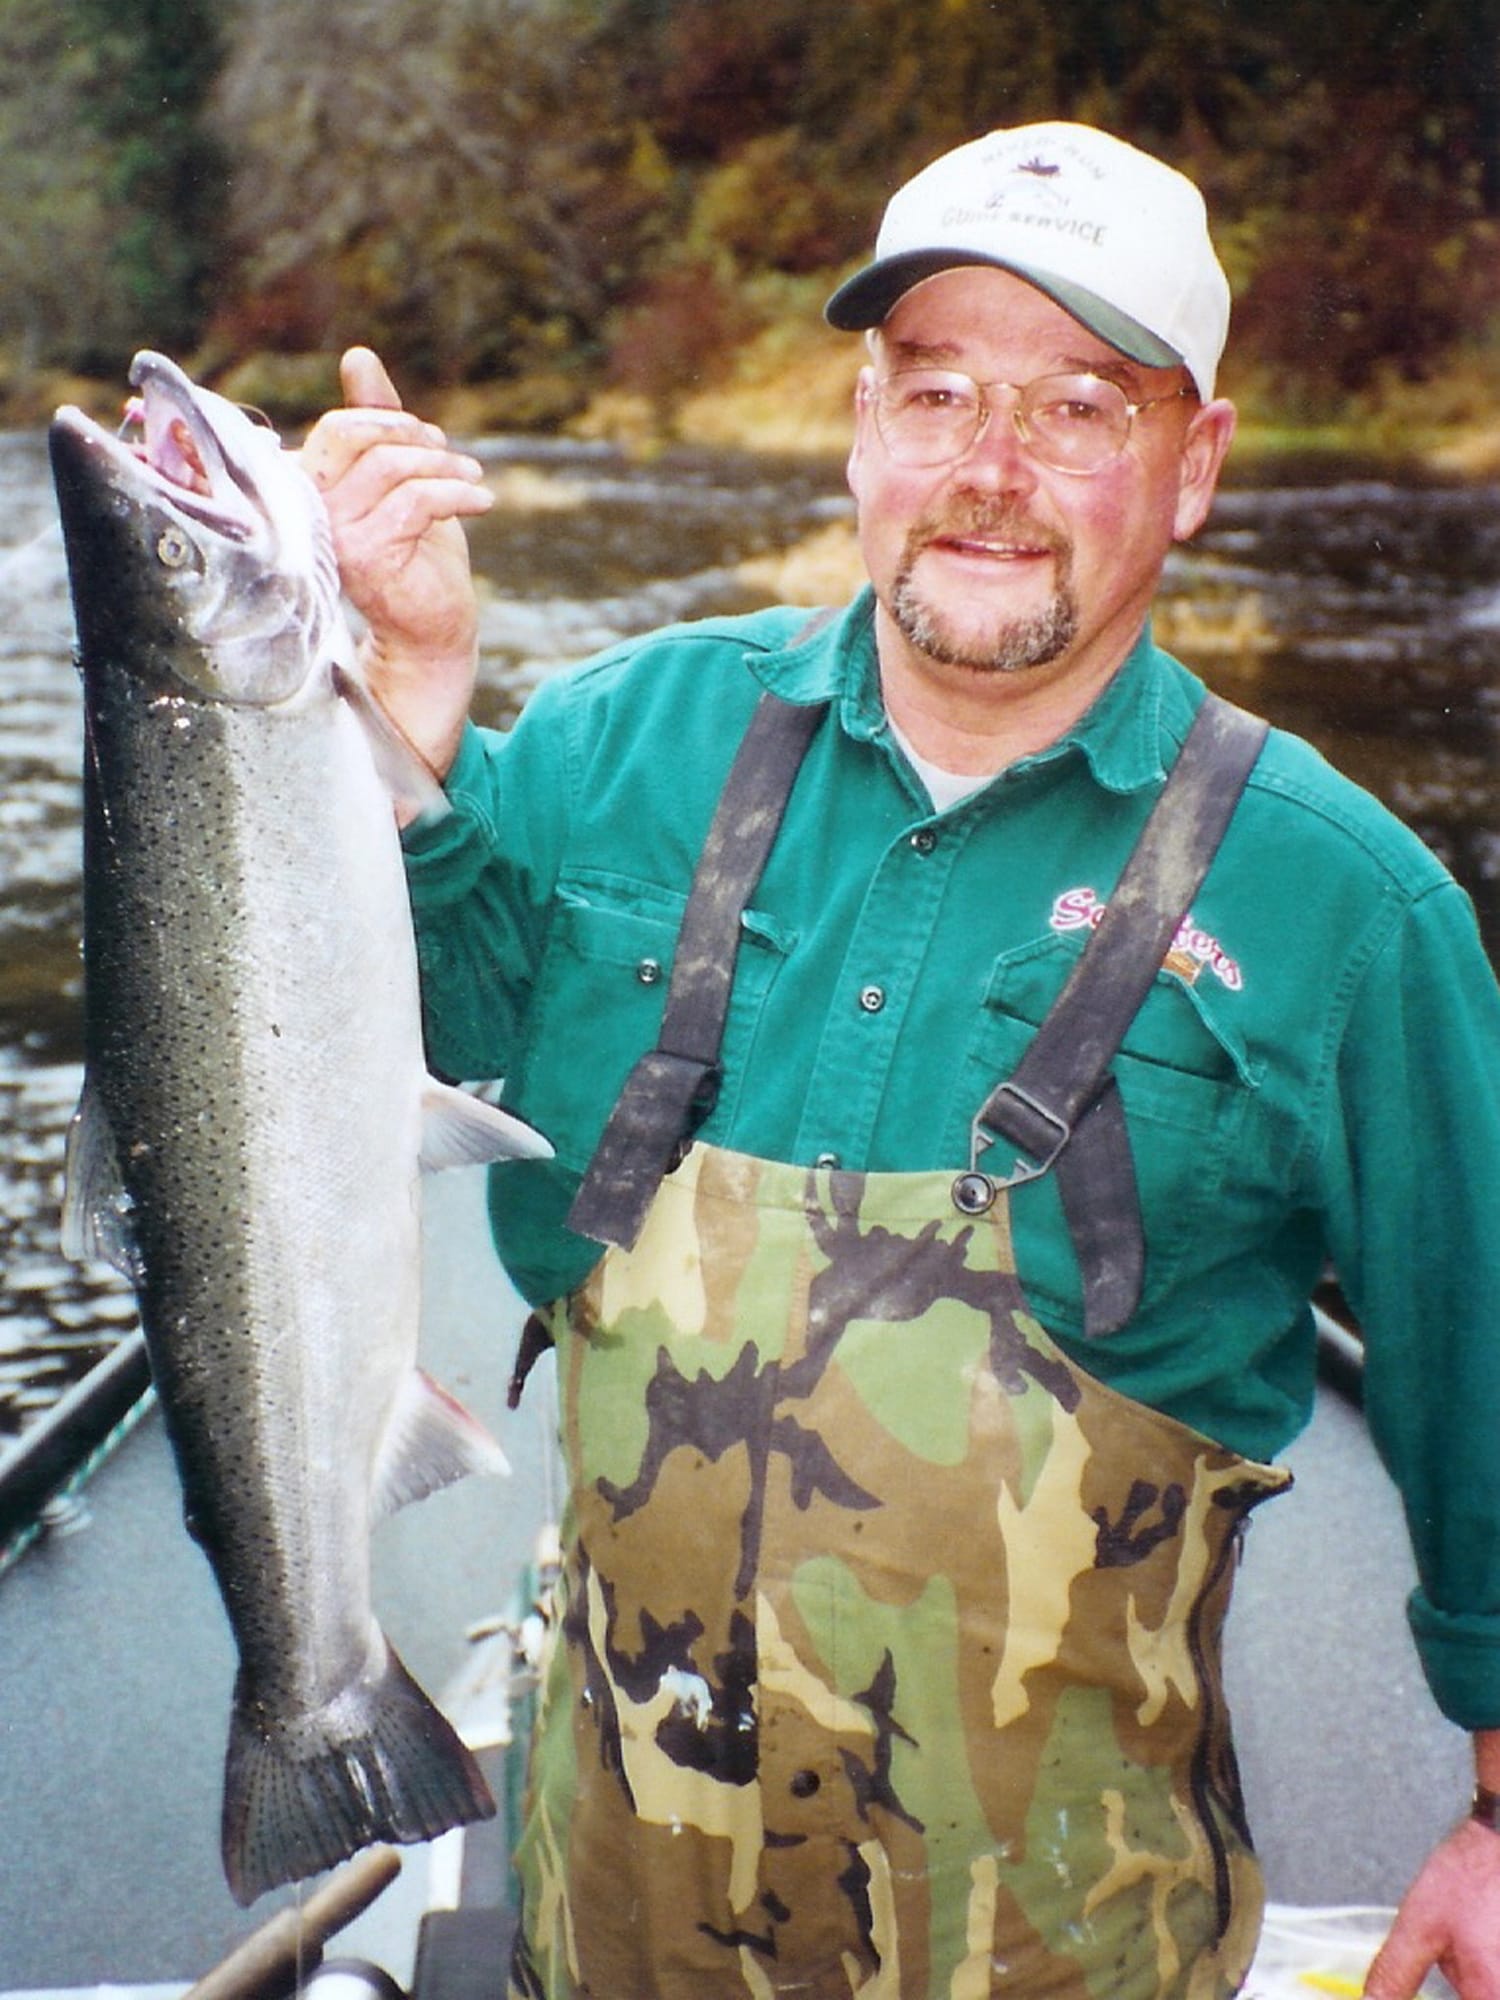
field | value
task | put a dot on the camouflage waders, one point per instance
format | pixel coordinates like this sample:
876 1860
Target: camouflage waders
888 1655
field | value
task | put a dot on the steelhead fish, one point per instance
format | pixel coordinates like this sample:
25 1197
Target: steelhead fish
256 1110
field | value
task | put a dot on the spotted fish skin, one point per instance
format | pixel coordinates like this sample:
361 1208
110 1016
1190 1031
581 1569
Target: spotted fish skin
256 1107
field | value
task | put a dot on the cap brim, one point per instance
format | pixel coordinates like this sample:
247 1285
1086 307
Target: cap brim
868 297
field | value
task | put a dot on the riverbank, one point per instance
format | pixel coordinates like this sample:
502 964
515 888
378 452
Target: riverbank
788 391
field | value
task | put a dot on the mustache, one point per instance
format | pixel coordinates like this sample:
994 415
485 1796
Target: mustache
973 515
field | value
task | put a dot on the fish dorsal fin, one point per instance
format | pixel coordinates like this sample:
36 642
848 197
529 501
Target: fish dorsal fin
96 1208
430 1441
403 771
460 1130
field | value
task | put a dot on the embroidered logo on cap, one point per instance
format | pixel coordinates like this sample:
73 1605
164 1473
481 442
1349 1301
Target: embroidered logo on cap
1034 193
1194 951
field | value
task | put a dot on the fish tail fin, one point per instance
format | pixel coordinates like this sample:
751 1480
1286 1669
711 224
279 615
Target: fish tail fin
377 1763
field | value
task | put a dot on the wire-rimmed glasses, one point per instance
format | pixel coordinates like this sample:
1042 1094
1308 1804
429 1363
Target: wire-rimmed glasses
1071 422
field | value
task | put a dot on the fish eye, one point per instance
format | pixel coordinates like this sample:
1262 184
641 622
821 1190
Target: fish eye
173 549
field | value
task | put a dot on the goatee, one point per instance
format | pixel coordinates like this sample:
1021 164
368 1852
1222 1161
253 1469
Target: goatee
1010 645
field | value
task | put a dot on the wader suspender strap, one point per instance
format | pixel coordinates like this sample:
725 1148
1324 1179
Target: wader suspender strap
1060 1092
672 1088
1061 1107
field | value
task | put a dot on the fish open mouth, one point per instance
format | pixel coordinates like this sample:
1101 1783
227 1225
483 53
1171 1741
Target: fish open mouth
176 439
173 451
204 503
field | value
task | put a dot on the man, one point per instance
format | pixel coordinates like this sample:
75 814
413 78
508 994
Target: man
911 1420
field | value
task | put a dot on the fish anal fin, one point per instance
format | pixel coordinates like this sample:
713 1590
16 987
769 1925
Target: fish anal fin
380 1762
96 1208
460 1130
430 1442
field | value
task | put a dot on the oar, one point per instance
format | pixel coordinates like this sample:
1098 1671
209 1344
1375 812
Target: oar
271 1959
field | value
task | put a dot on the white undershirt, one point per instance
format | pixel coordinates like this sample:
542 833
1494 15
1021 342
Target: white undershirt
944 788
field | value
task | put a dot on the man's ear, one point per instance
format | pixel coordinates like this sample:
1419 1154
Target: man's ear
1205 446
864 391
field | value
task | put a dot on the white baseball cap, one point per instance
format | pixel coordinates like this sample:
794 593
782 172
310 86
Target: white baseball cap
1119 239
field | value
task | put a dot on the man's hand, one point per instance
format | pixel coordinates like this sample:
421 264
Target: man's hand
395 489
1450 1919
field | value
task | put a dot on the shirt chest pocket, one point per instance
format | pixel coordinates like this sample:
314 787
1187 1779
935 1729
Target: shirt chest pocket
1191 1099
599 999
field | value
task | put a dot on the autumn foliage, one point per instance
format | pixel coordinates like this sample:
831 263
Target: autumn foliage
592 191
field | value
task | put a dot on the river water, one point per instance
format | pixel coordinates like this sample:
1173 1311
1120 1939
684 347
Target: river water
1362 613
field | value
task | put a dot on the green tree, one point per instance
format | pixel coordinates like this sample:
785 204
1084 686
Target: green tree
144 77
499 186
455 180
57 302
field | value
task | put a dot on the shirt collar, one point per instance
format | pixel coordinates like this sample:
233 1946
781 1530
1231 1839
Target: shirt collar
1129 734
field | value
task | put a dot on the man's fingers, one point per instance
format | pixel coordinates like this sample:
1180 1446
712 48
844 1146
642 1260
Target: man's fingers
366 381
1387 1979
363 442
356 442
449 481
401 516
394 489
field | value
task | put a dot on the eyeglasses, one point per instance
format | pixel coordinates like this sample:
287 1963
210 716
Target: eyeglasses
1072 423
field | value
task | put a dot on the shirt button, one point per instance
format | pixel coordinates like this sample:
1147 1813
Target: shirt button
924 839
648 971
872 998
803 1784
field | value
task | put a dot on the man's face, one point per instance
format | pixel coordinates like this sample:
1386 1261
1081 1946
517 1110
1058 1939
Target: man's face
994 564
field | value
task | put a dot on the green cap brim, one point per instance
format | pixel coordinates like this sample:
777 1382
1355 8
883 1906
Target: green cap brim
868 297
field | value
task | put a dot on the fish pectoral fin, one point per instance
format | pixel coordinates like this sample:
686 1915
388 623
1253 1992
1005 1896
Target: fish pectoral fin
96 1207
404 772
459 1130
430 1441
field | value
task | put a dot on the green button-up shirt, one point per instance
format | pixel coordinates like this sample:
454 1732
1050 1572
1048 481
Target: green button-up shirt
1315 1074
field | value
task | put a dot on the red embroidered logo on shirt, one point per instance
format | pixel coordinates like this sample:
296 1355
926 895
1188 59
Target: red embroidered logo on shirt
1193 950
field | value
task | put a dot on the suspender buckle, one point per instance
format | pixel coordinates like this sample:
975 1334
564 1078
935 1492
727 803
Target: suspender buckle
1038 1133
